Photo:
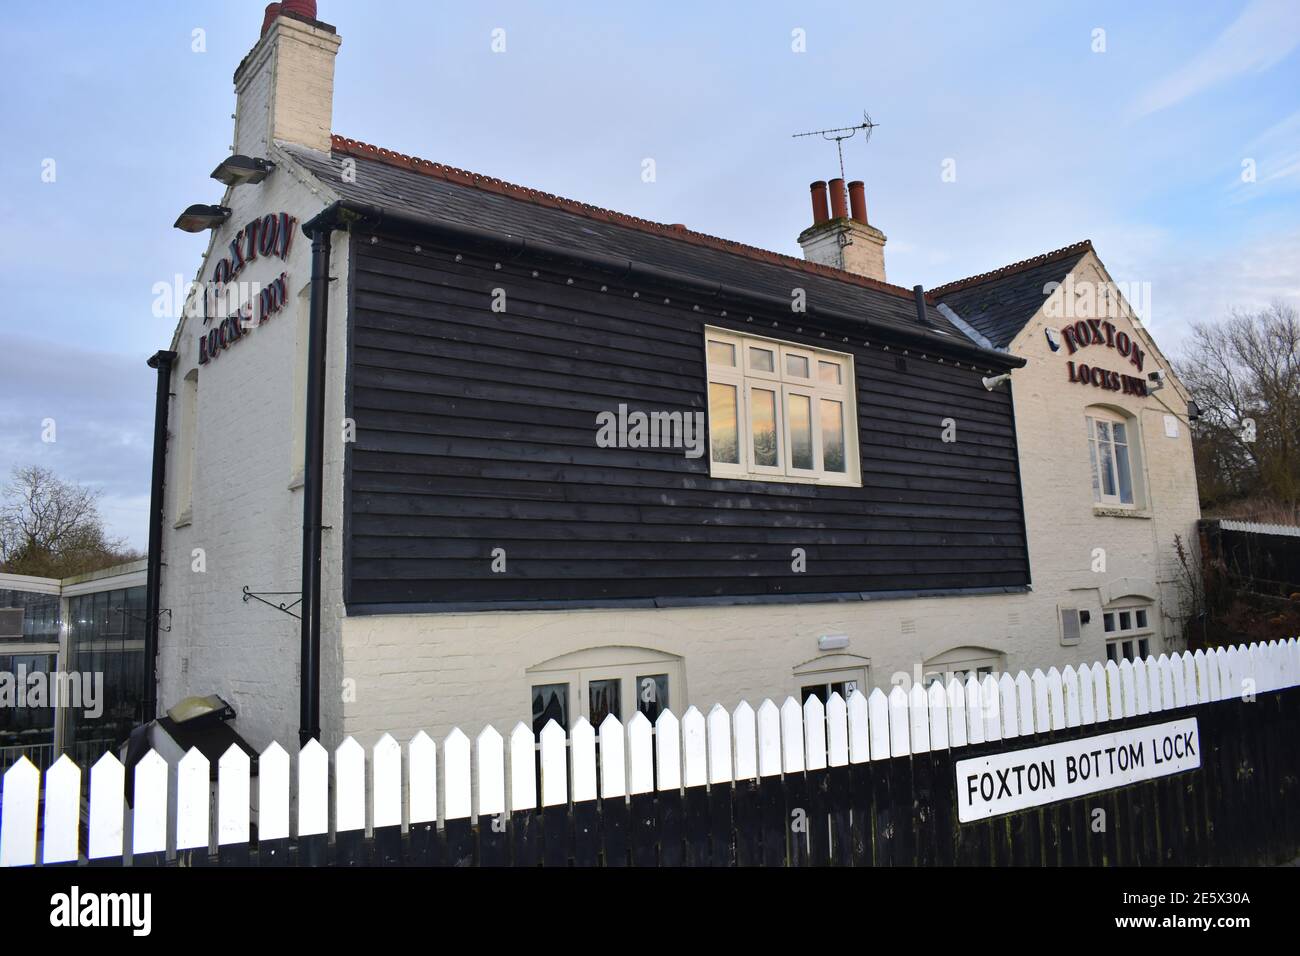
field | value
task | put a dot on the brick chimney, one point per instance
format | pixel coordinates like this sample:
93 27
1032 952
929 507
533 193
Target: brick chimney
841 237
285 85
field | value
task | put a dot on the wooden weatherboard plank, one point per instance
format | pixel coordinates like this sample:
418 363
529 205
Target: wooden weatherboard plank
999 783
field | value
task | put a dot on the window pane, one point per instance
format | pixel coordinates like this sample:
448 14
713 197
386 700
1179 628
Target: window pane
722 353
1141 615
603 700
1120 432
1128 650
763 413
796 365
550 702
1125 621
1125 478
1107 467
652 695
762 359
829 373
1112 652
1092 455
832 435
723 431
1103 431
1108 622
1144 648
800 412
813 690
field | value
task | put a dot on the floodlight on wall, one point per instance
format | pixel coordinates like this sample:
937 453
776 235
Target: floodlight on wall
237 170
996 380
832 642
199 217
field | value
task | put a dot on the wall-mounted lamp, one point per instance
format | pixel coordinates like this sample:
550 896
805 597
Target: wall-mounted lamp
199 217
238 169
1157 380
832 642
996 380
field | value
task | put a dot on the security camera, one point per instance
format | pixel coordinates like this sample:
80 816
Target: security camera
996 380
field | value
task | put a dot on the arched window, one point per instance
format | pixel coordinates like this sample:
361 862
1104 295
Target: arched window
1114 456
961 662
600 681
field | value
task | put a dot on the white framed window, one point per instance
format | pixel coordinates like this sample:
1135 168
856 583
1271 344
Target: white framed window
961 663
1129 631
1112 457
598 682
780 411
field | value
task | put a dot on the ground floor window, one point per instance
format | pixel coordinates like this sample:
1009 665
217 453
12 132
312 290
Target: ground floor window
1128 631
961 663
603 682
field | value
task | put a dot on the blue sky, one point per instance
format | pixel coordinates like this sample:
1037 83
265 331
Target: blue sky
1140 148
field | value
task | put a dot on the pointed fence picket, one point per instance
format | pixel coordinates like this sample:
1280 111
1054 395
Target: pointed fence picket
617 761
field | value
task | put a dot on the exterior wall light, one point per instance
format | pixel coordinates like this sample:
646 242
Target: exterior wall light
237 169
199 217
832 642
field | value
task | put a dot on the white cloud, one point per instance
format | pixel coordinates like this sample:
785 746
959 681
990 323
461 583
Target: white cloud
1265 33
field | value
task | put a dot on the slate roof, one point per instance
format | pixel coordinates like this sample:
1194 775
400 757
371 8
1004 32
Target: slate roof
419 187
998 304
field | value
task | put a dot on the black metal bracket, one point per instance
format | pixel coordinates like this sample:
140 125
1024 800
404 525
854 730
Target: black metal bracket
144 618
280 606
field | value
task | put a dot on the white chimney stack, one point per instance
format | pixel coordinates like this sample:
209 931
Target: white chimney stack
841 237
285 85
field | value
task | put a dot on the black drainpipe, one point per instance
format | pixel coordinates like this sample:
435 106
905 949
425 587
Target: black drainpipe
162 361
312 486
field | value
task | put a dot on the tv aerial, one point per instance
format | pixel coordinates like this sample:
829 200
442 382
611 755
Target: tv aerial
841 134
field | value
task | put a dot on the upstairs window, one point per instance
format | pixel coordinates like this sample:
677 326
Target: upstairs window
1111 457
780 411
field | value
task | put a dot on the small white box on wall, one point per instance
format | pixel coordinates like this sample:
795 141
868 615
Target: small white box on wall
1171 426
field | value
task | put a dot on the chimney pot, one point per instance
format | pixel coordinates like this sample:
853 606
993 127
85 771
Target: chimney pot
838 210
820 211
304 8
272 11
858 201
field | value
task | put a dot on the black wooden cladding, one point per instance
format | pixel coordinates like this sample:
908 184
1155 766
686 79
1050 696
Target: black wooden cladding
1239 808
476 430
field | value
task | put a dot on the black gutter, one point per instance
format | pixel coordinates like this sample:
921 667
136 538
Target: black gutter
345 213
312 484
162 361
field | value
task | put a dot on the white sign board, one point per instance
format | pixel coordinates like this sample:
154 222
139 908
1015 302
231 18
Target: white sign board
1005 782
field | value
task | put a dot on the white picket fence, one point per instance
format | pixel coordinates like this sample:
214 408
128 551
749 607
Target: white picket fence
696 750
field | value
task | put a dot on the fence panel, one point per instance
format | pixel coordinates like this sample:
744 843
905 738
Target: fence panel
871 780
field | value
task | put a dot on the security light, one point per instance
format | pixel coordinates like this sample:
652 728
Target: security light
996 380
199 217
237 169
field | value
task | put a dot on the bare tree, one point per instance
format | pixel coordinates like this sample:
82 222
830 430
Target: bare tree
52 528
1244 373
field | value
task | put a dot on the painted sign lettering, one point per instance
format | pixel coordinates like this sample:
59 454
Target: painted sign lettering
1018 779
267 237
